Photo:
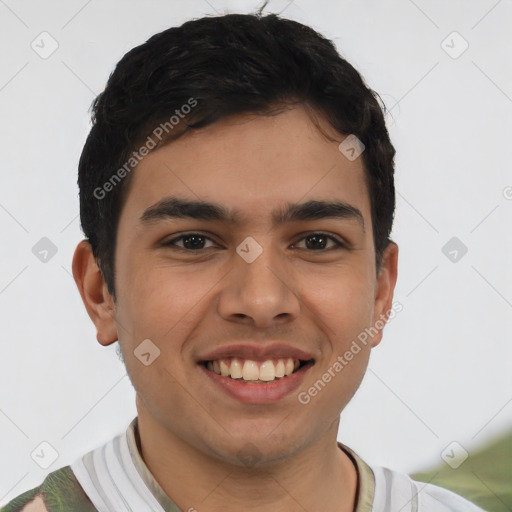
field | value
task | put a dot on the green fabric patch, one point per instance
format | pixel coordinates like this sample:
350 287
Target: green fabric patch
60 491
485 478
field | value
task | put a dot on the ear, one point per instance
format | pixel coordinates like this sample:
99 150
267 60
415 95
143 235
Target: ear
94 292
385 288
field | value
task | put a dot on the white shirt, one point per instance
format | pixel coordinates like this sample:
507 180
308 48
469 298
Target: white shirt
116 479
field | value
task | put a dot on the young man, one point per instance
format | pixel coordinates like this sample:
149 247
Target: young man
237 195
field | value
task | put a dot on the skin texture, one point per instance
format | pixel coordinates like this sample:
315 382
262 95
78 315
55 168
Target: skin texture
36 505
318 300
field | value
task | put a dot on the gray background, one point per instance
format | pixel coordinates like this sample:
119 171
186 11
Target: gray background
442 372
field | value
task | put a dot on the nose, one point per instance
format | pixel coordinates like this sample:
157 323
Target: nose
261 293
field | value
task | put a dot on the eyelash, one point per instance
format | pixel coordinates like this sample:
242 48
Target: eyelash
171 243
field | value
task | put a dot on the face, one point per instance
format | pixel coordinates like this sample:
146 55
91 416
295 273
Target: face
276 274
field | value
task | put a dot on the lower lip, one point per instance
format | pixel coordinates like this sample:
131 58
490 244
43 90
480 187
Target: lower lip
258 393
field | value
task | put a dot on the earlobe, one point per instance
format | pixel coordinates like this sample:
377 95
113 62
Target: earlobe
95 296
386 281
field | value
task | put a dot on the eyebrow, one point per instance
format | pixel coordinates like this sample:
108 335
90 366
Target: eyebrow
179 208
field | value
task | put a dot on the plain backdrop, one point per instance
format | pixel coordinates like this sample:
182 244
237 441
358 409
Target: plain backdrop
442 372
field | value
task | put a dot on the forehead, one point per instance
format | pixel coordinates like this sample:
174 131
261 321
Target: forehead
252 163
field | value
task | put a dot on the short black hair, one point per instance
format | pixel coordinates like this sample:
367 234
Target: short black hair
207 69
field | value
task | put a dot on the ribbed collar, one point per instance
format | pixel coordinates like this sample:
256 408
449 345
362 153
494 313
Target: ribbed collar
365 476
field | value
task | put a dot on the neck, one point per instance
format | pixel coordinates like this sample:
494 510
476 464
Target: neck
320 477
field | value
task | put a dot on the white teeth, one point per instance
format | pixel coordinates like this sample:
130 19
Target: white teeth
236 369
267 371
250 370
224 368
288 369
280 368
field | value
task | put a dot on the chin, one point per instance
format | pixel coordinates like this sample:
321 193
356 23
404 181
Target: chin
258 451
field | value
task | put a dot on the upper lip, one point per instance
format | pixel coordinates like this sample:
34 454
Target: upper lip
256 352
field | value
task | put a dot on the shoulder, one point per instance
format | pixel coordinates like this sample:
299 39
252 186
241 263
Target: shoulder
398 491
59 492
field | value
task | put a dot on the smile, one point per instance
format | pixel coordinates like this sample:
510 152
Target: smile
253 381
248 370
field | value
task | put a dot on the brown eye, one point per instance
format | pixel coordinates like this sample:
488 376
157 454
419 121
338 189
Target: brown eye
190 241
319 241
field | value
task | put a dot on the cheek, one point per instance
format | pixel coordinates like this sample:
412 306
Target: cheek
162 305
155 298
344 301
343 307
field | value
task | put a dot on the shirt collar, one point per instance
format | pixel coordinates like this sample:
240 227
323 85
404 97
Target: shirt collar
365 478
